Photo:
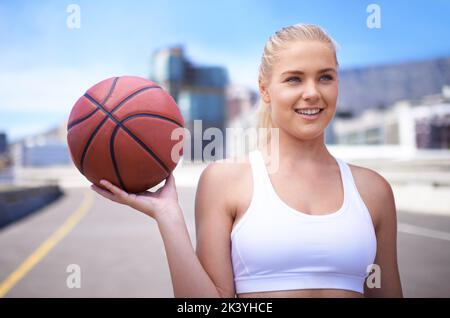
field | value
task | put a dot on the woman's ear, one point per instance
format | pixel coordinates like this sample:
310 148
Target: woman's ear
263 92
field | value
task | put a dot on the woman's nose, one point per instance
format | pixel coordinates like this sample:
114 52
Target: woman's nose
310 91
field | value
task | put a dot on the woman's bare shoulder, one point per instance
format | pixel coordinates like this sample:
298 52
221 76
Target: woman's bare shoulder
227 171
369 178
374 189
231 178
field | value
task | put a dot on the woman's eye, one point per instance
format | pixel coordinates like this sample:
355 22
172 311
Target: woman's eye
327 77
293 79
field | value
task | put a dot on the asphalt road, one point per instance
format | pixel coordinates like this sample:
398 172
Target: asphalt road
118 252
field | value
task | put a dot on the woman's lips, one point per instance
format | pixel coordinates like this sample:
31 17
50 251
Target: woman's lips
309 117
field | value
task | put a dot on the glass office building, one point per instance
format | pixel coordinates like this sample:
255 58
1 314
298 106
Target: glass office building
200 92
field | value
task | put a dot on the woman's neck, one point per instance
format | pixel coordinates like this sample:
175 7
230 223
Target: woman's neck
291 150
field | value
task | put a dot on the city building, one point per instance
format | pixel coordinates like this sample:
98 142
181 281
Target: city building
243 133
44 149
200 92
414 124
240 101
3 143
5 160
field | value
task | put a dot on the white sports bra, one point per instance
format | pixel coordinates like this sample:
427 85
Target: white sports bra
275 247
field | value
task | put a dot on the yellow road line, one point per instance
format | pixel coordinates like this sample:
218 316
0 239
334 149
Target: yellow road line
48 245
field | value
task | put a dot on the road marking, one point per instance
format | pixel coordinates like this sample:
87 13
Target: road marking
48 245
422 231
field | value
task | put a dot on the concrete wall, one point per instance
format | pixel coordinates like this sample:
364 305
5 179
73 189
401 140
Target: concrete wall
19 202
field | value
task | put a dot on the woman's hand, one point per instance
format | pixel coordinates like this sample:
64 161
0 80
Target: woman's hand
155 204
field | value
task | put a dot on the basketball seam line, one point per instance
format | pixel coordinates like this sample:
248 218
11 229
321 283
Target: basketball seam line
131 96
103 121
76 122
113 136
90 141
110 90
113 157
132 135
119 124
151 115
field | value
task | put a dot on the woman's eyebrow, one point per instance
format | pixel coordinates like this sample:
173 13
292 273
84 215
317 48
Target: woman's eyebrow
300 72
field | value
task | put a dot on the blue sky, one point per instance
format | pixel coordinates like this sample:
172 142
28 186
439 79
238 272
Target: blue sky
45 66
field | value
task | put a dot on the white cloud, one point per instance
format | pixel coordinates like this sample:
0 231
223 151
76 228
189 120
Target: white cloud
46 90
32 101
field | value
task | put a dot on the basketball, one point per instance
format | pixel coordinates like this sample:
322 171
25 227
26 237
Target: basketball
122 129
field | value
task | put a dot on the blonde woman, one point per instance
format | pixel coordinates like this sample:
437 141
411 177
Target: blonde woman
313 228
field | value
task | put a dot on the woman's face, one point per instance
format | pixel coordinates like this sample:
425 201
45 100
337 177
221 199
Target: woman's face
303 79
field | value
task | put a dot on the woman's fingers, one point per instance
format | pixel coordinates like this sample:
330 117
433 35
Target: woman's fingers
146 202
114 193
115 190
103 192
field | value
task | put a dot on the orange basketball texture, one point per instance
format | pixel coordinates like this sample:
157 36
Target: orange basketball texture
120 130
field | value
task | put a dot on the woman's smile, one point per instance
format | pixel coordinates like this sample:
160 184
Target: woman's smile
309 113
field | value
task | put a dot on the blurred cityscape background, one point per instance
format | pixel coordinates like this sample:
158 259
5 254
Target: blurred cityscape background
393 116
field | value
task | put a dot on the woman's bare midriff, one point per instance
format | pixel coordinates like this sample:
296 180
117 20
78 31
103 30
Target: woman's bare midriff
309 293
